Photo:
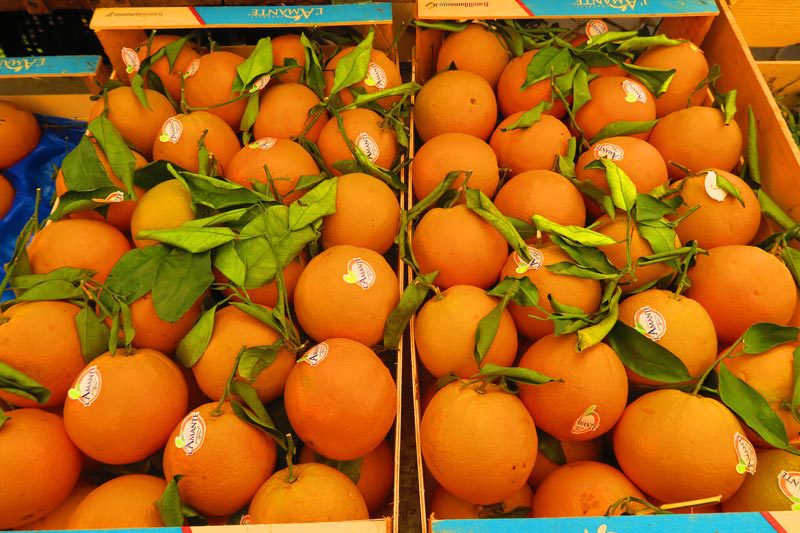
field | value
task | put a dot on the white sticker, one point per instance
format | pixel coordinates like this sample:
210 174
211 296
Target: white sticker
87 386
264 144
376 77
368 145
745 453
634 92
537 259
316 354
609 151
115 197
246 520
789 485
650 323
596 27
192 433
260 83
192 69
712 189
131 60
360 273
589 421
171 131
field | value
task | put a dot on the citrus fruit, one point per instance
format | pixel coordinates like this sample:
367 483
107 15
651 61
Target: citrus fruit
570 290
7 194
615 99
475 49
697 138
740 286
382 73
167 205
58 518
267 294
690 67
346 291
356 418
574 450
180 135
42 466
678 447
473 432
447 506
211 84
512 98
445 328
288 47
157 334
125 502
583 488
170 76
232 330
455 101
314 493
365 130
40 339
591 397
533 148
19 133
773 487
367 214
464 248
223 459
449 152
285 111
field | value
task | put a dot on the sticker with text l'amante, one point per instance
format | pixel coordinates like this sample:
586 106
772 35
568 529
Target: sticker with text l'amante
789 485
536 262
589 421
87 386
360 273
192 433
745 453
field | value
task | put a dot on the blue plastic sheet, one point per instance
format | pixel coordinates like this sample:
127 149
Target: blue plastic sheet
38 170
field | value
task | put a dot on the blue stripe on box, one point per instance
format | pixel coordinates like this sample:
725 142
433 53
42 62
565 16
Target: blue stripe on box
676 523
294 15
611 8
49 66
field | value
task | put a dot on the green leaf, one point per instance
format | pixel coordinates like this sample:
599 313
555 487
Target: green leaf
530 117
120 158
351 469
566 163
225 217
363 99
773 211
751 150
181 279
623 190
564 83
435 195
82 168
482 206
791 258
610 37
15 382
137 86
74 201
312 71
258 312
92 334
151 175
650 208
727 104
623 128
583 236
764 336
352 67
796 381
488 325
254 413
257 358
580 90
586 256
72 275
658 234
525 376
215 193
546 62
169 504
249 117
589 336
317 203
551 448
644 42
193 239
133 274
724 184
645 357
3 418
446 25
565 268
256 65
656 80
227 261
54 289
410 301
193 345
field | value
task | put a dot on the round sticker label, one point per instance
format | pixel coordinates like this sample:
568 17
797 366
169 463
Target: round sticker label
264 144
115 197
537 259
192 433
746 454
634 92
87 386
316 354
131 60
246 520
789 485
171 131
650 323
192 69
376 77
360 273
609 151
712 189
368 145
260 83
596 27
589 421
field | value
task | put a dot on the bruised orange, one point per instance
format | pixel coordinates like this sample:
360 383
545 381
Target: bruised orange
533 148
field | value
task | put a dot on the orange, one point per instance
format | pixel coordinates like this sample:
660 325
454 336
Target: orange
285 111
223 459
445 327
512 98
167 205
615 99
773 487
367 214
139 126
157 334
584 488
697 138
740 286
637 158
717 222
124 502
179 136
541 192
534 148
211 84
690 67
145 383
795 320
366 130
170 77
288 47
40 339
574 450
77 243
617 253
267 294
19 133
59 517
41 466
464 248
354 419
677 323
591 397
318 493
234 329
382 73
770 374
447 506
346 291
455 101
286 161
479 443
678 447
6 196
475 49
376 473
570 290
454 151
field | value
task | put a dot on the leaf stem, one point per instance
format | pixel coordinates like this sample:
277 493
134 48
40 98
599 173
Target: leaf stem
217 411
290 477
719 359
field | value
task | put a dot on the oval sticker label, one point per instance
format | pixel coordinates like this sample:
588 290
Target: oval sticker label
609 151
634 92
171 131
650 323
589 421
316 354
192 69
789 485
596 27
536 262
115 197
360 273
368 145
131 60
712 189
192 433
260 83
745 453
87 386
376 77
264 144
